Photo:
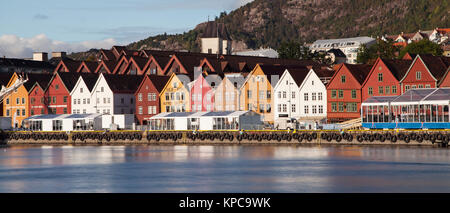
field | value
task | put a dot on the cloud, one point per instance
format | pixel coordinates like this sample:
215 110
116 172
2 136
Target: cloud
40 16
13 46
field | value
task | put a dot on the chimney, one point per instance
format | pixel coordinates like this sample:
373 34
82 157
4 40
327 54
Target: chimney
40 56
58 54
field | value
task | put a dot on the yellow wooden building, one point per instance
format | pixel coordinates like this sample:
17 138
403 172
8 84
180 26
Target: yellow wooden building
175 96
257 90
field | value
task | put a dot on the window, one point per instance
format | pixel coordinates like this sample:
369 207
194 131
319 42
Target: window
380 90
23 100
131 100
32 100
306 96
175 85
65 99
149 97
314 109
167 108
268 108
387 90
262 94
279 94
56 87
341 93
370 90
7 101
84 111
312 83
306 109
293 108
104 100
249 94
413 86
261 108
279 107
284 94
394 89
17 101
380 77
321 109
140 110
341 107
319 97
268 94
167 96
353 94
140 97
84 100
7 112
122 100
102 89
249 106
32 112
293 95
284 108
343 79
352 107
420 86
81 90
313 96
427 86
333 93
418 75
54 99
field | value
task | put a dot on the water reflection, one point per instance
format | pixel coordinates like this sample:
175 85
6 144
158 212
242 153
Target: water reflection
234 168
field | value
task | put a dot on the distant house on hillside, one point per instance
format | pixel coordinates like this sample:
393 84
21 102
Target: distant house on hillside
349 46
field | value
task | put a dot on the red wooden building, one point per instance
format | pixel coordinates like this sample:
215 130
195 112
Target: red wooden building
426 71
147 97
344 92
384 78
37 100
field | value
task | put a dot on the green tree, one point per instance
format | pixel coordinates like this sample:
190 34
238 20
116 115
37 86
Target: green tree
382 49
424 46
294 50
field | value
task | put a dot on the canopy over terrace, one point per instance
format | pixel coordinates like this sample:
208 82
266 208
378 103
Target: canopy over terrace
65 122
417 108
226 120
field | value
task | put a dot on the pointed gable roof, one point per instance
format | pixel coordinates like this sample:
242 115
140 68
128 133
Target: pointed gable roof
123 83
90 80
69 65
298 74
358 71
437 65
109 66
91 66
398 67
41 79
106 55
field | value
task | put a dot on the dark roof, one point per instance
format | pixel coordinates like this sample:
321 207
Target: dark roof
359 71
89 80
397 67
278 70
159 81
298 74
41 79
161 60
5 77
110 64
55 60
69 79
337 52
108 54
215 30
324 72
14 62
437 65
140 61
91 65
71 65
123 83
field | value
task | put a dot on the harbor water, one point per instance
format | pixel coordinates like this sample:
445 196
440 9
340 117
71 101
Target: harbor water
221 168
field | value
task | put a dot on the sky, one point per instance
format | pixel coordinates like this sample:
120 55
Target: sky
79 25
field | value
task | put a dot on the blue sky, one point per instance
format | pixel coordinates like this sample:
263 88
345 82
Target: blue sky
64 24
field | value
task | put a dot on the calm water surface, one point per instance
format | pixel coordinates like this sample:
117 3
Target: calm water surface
224 169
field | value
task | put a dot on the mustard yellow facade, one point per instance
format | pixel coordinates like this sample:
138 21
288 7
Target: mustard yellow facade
16 104
256 94
175 95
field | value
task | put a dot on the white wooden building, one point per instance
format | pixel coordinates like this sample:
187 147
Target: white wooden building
81 95
114 94
300 94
